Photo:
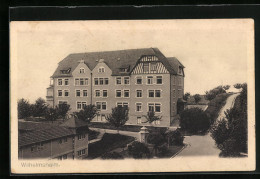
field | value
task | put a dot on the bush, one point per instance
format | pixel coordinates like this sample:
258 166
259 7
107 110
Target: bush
24 109
194 120
112 155
175 137
138 150
214 92
156 139
163 150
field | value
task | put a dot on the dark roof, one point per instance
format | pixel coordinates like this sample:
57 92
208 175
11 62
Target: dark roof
202 101
73 123
114 60
37 136
32 126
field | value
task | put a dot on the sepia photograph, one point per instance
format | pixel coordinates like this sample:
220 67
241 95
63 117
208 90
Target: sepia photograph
132 96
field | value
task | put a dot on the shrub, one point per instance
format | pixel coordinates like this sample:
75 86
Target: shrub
156 139
175 137
197 98
194 120
112 155
138 150
163 149
24 109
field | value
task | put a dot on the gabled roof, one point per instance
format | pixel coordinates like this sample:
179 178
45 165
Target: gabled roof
175 63
32 126
113 59
43 135
73 123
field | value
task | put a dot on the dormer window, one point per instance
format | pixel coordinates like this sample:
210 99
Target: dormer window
81 70
180 70
101 70
122 70
67 71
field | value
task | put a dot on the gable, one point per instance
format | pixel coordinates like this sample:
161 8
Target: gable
77 72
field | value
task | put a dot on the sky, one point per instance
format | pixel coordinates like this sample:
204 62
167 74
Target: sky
214 52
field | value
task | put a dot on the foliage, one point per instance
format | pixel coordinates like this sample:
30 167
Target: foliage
63 110
186 96
194 120
150 117
175 137
226 87
163 149
24 109
215 106
108 143
138 150
230 133
112 155
214 92
87 113
51 114
156 139
197 98
39 108
118 117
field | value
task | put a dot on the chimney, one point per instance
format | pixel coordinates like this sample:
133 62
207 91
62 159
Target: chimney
101 61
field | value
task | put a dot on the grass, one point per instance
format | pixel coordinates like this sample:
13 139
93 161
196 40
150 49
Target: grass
108 143
131 128
215 106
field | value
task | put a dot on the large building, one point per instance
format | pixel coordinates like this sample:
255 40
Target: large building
142 79
68 140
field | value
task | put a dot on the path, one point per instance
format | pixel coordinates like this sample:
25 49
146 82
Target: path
205 145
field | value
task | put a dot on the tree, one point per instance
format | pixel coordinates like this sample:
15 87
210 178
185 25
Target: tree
150 117
157 140
138 150
39 108
175 137
186 96
197 98
214 92
24 109
51 114
112 155
226 87
118 117
194 120
87 113
63 110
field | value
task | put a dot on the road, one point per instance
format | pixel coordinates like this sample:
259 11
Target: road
205 145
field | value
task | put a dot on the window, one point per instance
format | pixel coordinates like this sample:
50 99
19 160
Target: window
104 105
151 93
59 158
180 70
79 106
81 70
84 104
174 80
81 136
118 93
97 93
179 93
156 122
104 93
59 82
138 107
179 81
139 80
146 67
65 139
118 80
138 93
157 93
174 93
64 157
126 93
60 141
149 80
122 104
98 104
159 79
85 92
153 67
126 80
77 82
81 152
106 81
103 117
101 70
59 92
139 120
101 105
96 81
78 93
66 82
66 92
156 107
101 81
33 148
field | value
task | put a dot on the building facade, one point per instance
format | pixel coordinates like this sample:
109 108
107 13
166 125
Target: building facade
142 79
66 141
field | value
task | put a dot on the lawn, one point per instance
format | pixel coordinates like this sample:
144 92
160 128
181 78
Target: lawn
108 143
